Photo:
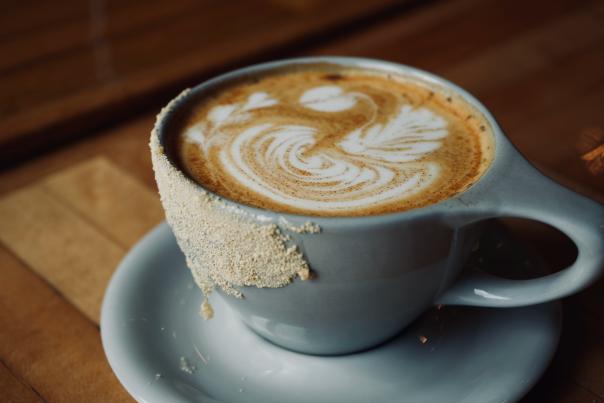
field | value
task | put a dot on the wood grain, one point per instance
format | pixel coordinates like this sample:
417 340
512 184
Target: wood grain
89 61
125 145
73 227
14 390
48 343
60 245
114 202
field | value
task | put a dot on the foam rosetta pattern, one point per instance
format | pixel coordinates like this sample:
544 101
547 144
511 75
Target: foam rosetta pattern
297 154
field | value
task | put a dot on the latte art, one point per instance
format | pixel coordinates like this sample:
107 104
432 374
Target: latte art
303 144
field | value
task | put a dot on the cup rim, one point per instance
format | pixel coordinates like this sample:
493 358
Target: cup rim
500 142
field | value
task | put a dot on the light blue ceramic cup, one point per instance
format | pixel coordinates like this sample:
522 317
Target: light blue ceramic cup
376 274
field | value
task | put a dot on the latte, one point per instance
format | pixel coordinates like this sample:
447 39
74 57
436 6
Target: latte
333 141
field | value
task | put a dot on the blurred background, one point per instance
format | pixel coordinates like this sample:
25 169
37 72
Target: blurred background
72 68
81 83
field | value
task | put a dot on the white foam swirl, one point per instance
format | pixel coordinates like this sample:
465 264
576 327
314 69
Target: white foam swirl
328 98
407 137
374 164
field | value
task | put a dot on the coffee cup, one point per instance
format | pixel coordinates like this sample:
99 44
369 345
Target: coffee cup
372 275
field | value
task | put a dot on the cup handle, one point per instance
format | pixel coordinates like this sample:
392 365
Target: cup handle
526 193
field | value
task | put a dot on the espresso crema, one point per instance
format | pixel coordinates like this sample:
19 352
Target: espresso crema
332 141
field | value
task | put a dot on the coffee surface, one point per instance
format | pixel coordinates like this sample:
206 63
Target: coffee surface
329 141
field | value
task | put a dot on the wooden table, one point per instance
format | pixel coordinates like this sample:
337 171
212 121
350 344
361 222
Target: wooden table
80 84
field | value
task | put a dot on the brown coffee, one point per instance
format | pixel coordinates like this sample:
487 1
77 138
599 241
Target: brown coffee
332 141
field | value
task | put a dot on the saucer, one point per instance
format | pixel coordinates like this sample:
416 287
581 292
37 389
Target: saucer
162 350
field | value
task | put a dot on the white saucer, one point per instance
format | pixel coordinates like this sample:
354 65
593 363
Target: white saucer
162 351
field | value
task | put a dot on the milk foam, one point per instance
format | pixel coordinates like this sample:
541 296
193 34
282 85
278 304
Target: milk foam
375 163
328 98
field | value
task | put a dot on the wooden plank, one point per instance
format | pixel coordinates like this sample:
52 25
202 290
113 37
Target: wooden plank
126 146
449 33
108 197
80 86
71 228
47 343
74 226
60 245
75 27
543 46
560 130
48 14
14 390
